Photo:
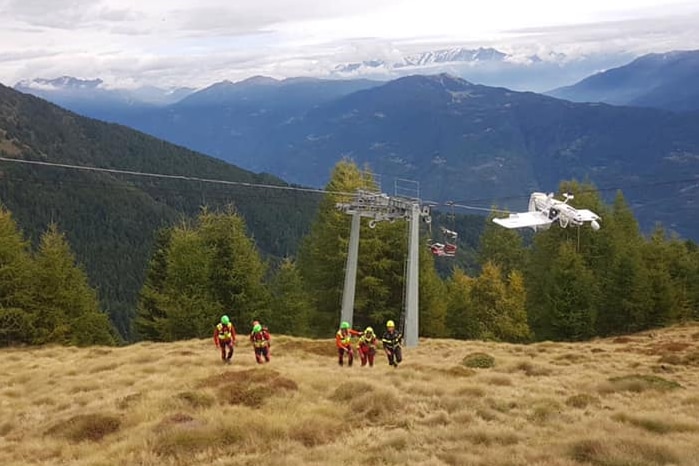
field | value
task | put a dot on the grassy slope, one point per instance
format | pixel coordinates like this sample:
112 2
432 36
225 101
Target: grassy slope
174 404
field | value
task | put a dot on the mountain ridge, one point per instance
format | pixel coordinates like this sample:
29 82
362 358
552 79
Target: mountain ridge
659 80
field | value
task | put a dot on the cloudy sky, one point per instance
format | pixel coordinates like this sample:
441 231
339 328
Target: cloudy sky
196 42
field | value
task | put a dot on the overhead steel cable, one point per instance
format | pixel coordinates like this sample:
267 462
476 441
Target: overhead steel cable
175 177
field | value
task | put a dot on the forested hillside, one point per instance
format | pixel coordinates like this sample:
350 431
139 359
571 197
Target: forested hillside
111 220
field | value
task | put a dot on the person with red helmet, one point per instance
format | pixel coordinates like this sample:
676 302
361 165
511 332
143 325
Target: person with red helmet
260 342
367 347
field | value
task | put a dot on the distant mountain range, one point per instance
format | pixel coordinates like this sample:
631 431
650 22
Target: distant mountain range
91 96
487 66
661 80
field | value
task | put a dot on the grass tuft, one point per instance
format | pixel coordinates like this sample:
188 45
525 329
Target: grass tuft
655 425
621 452
638 383
479 361
129 401
86 427
351 390
184 441
531 370
377 405
581 401
317 431
249 387
197 399
459 371
5 428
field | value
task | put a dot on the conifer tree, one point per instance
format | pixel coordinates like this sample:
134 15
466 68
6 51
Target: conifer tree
662 292
502 247
460 317
151 303
290 303
236 271
191 310
434 299
622 278
68 309
569 297
16 290
512 324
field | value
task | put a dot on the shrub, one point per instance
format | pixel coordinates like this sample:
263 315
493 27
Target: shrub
479 360
92 427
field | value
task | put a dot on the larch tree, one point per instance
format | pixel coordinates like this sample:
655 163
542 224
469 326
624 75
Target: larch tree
291 305
68 308
17 293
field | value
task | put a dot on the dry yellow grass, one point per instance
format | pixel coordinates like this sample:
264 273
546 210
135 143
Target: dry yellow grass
624 401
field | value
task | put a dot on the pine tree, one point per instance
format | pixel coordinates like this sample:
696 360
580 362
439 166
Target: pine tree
461 320
69 309
290 303
17 295
622 278
191 309
512 324
569 297
15 266
502 247
151 302
663 295
237 271
434 299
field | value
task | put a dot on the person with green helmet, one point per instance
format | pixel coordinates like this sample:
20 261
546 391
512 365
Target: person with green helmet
260 340
367 347
392 344
343 341
224 338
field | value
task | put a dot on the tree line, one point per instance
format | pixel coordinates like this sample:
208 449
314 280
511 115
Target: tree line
559 284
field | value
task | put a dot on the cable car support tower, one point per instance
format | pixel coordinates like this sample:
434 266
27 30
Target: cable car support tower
381 207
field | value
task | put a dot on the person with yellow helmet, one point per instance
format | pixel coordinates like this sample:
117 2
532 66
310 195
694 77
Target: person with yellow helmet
392 344
224 338
367 347
343 341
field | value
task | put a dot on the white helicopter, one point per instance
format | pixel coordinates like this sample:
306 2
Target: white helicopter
544 210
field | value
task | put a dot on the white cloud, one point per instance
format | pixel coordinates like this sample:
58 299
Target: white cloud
187 42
